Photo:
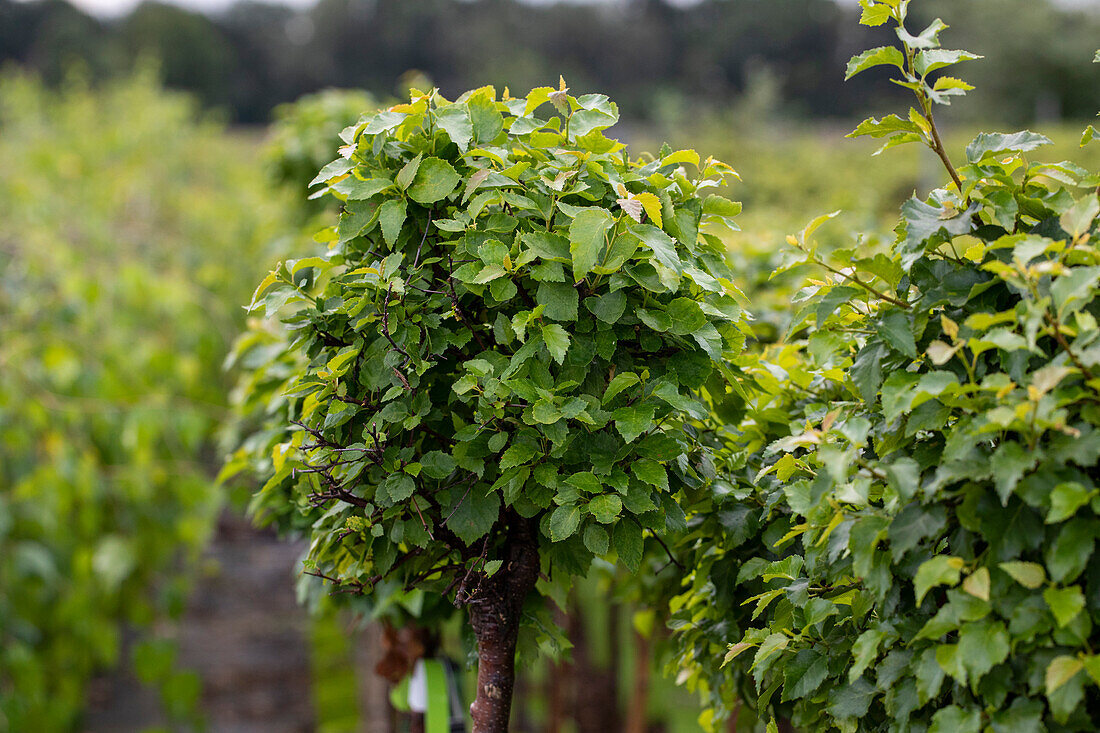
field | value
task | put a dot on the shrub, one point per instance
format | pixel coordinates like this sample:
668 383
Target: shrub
494 371
908 539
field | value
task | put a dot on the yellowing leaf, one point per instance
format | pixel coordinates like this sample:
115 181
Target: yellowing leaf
681 156
736 649
941 353
1061 670
977 584
652 206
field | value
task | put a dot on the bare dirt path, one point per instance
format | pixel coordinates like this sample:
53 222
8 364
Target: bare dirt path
242 633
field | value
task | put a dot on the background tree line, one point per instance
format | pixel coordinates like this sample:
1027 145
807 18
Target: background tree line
647 54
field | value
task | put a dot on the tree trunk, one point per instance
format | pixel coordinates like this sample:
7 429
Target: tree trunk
495 608
558 676
639 696
595 701
731 725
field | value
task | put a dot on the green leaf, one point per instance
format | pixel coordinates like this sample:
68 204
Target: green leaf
928 672
889 125
356 189
883 55
1089 134
338 167
471 518
895 329
1064 603
652 207
772 645
803 675
990 144
585 482
557 341
1009 463
660 244
384 122
913 524
356 218
395 488
546 413
940 570
715 205
950 661
486 120
1092 666
564 522
391 216
587 239
1065 499
953 719
933 59
686 315
1067 699
339 364
596 539
548 246
560 301
874 13
864 651
455 121
408 172
1074 290
618 383
628 542
517 455
435 180
982 645
650 472
605 508
609 307
1068 555
632 421
851 701
437 464
1023 716
928 38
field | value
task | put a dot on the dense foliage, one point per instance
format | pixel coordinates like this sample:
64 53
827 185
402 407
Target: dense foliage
493 370
907 540
116 311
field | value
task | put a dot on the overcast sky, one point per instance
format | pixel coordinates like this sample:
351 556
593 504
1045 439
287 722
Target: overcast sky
109 8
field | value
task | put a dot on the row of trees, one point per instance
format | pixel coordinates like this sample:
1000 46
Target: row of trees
127 234
647 54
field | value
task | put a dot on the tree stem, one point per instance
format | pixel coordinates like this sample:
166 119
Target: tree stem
495 608
940 150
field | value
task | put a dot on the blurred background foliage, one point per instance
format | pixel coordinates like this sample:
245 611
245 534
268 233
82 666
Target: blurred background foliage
662 61
135 222
130 230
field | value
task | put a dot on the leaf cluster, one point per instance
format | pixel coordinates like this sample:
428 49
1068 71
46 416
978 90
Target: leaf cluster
908 538
511 321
